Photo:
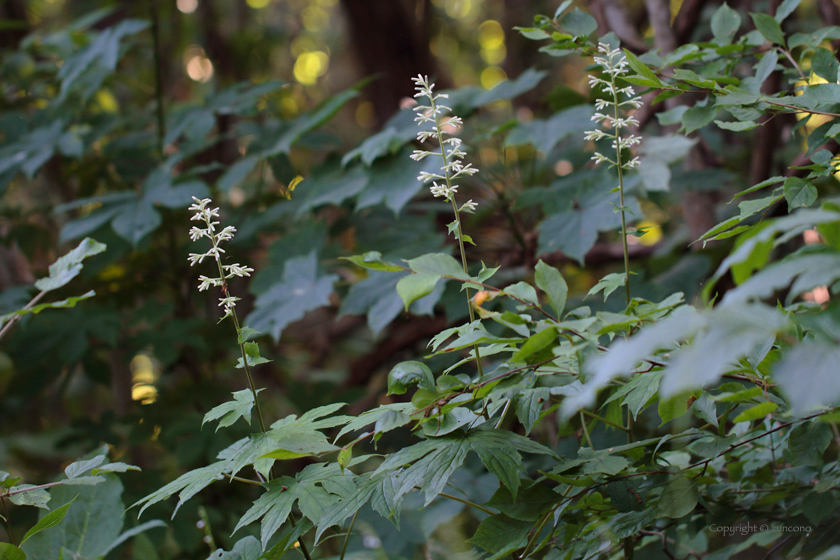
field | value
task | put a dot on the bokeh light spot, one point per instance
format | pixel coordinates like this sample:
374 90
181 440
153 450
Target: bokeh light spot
315 19
309 66
491 35
492 76
187 6
257 4
458 9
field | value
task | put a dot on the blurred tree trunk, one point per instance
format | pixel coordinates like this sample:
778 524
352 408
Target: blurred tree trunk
392 47
13 11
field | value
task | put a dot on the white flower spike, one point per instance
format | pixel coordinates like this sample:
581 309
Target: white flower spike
205 214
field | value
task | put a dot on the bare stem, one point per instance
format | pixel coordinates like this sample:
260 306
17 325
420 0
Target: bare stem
8 521
618 165
347 537
8 326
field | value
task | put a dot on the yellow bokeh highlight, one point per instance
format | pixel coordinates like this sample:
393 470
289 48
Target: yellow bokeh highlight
107 102
315 19
653 233
491 35
310 66
494 56
492 76
143 378
458 9
257 4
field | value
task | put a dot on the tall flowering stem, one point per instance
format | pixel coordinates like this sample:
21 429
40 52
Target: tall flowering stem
205 214
614 64
453 168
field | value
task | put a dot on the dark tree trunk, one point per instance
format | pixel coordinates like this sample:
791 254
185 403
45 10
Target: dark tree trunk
391 46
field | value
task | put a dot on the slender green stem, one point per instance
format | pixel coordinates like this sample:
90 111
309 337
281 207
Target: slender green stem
238 330
8 521
536 534
303 548
586 430
463 501
8 326
504 413
347 537
448 177
240 479
604 420
619 167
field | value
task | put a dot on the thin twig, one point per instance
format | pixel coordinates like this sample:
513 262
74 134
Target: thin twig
8 520
7 327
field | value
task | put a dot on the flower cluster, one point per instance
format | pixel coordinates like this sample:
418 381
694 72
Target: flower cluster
450 146
226 271
614 64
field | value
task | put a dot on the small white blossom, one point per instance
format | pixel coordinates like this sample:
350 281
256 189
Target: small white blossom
207 283
226 234
237 270
614 64
468 206
229 303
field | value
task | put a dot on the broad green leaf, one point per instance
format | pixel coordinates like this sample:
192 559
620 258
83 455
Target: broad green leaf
245 333
825 65
738 126
391 420
769 28
252 354
546 134
550 281
136 220
11 552
578 23
817 506
301 290
245 549
80 467
529 405
68 267
705 409
625 496
231 411
819 362
438 263
91 524
799 193
370 417
678 498
501 535
725 24
755 412
51 519
636 393
415 286
698 116
786 8
405 374
807 442
373 261
37 497
601 463
524 292
544 339
641 68
673 407
608 284
765 67
532 500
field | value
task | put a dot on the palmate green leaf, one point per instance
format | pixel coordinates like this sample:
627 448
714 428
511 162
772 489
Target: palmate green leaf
532 500
11 552
68 267
315 489
371 417
601 463
546 134
678 498
705 409
300 290
501 535
542 340
229 412
186 486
